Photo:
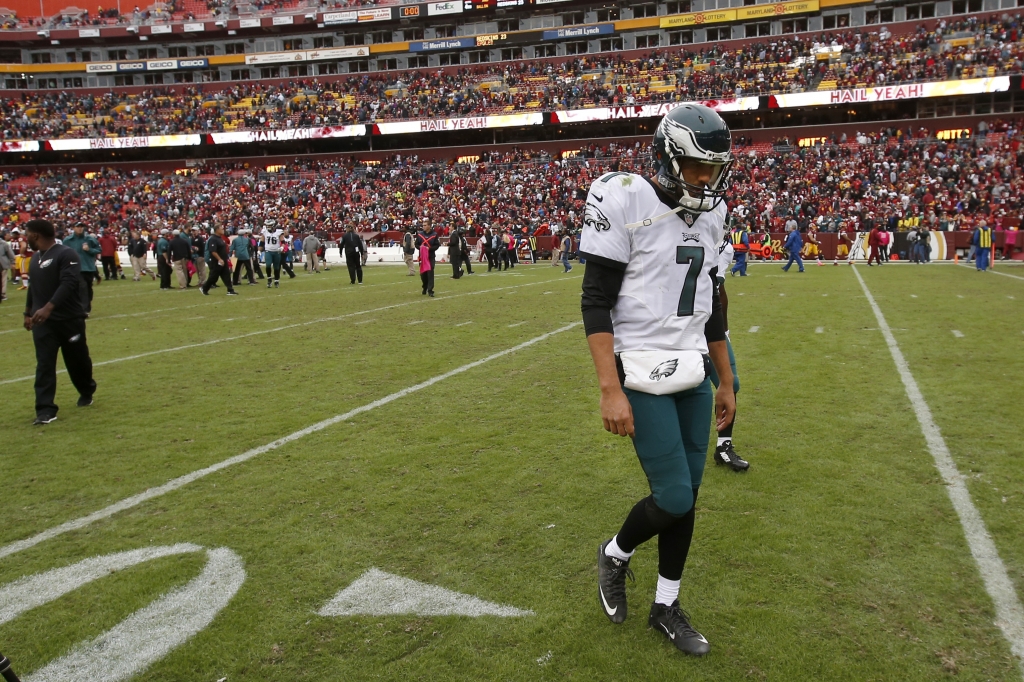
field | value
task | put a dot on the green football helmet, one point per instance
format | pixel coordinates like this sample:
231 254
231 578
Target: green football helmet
697 132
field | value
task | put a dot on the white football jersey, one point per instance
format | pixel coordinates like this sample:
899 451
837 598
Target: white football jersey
272 239
667 288
725 254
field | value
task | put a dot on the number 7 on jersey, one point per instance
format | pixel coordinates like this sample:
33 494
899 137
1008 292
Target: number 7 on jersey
694 257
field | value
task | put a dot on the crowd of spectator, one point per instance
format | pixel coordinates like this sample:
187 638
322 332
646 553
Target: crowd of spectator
905 178
964 49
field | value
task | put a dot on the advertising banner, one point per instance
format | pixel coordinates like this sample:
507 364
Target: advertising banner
285 135
455 124
275 57
88 33
196 63
131 66
438 8
101 67
331 18
161 64
19 146
648 110
124 142
442 44
697 18
194 27
160 28
249 23
578 32
891 93
376 14
283 21
777 9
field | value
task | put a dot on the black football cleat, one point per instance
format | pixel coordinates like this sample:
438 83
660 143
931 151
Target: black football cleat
674 623
611 584
726 455
44 419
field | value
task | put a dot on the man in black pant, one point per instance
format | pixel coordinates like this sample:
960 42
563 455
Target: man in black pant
353 247
56 318
163 259
427 237
218 262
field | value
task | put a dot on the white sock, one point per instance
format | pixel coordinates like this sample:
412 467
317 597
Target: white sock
723 441
668 591
612 550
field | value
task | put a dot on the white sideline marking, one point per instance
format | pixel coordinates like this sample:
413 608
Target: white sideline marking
366 321
416 322
517 324
958 334
1009 613
993 271
463 324
819 330
376 593
753 330
182 481
277 329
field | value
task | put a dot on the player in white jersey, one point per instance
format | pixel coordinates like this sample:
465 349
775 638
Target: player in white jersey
272 236
653 322
725 453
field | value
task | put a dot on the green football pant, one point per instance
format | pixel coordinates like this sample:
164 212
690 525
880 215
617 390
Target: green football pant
671 443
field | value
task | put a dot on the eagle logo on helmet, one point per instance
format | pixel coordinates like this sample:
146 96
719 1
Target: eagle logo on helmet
665 369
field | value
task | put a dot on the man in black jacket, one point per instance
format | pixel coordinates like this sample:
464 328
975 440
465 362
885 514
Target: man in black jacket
353 248
56 318
138 249
218 262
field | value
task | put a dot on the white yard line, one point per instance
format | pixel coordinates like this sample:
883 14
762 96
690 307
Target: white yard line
463 324
517 324
282 328
182 481
1009 613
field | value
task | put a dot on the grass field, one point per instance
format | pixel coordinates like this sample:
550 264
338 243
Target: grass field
837 557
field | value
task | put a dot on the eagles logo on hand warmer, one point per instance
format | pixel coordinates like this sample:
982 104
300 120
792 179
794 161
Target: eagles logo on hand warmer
665 369
594 217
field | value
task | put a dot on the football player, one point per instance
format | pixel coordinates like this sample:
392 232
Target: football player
812 249
652 317
725 454
272 235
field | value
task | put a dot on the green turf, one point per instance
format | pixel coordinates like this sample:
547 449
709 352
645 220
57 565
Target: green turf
837 557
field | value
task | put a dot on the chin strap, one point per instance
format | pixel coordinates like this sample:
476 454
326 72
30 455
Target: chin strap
650 221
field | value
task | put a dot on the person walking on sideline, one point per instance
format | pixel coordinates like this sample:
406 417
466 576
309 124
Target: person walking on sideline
310 246
240 250
353 247
556 250
427 242
88 249
138 249
217 260
982 238
6 263
181 255
455 253
794 242
163 260
108 247
56 318
409 250
873 244
566 249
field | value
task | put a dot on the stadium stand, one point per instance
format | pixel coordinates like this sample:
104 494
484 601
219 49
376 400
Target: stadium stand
961 50
914 178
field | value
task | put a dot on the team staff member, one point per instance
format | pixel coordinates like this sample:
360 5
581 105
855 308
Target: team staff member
794 242
181 254
429 239
138 249
56 318
217 260
6 262
409 249
455 253
353 247
642 238
87 248
108 247
163 260
982 238
740 246
240 250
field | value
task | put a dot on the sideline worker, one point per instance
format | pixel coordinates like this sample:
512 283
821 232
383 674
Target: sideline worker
56 318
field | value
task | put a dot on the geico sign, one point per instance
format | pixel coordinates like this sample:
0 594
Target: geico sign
106 67
191 63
